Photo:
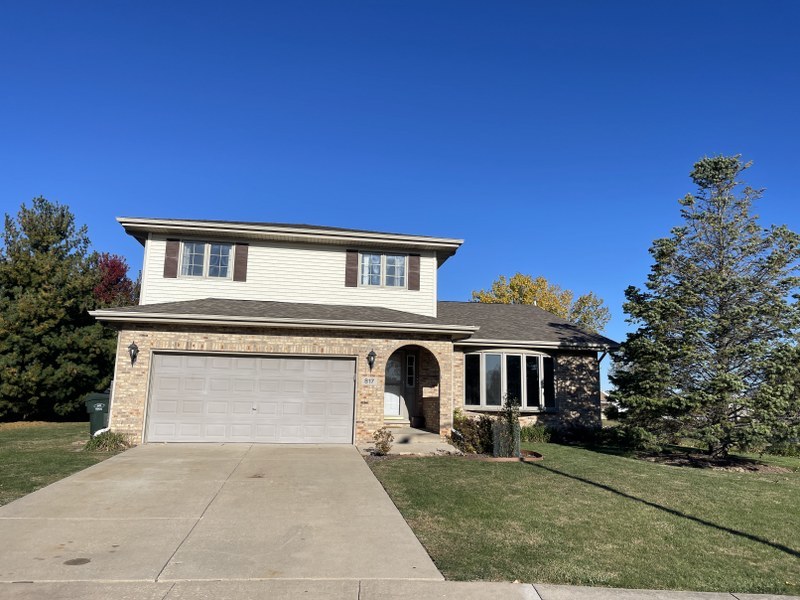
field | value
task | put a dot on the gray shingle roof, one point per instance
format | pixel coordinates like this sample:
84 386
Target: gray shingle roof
519 323
262 309
498 322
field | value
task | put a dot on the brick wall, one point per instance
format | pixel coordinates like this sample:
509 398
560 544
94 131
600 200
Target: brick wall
128 410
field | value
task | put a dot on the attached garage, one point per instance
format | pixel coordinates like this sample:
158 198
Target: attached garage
269 399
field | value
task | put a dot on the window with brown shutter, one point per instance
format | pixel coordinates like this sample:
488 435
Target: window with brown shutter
413 271
171 259
351 269
240 262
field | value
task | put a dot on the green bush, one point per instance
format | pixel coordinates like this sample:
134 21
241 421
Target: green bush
505 429
627 436
538 433
108 441
470 435
784 449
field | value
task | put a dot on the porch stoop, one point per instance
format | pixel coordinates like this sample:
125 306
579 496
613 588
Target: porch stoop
408 440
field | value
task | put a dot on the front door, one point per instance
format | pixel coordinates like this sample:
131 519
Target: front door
399 386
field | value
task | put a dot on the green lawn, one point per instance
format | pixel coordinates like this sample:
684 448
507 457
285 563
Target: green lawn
35 455
586 518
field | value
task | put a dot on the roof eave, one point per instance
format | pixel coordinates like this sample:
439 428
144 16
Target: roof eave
599 347
141 227
112 316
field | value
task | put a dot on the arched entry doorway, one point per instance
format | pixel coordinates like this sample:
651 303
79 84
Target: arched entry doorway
411 388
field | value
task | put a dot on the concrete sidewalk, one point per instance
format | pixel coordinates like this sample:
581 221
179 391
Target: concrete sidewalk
338 589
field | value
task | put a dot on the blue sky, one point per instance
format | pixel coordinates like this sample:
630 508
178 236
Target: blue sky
555 138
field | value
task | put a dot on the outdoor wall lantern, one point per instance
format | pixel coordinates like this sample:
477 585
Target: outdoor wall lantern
133 351
371 359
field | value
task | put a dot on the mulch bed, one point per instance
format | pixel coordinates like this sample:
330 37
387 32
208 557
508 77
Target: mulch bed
703 461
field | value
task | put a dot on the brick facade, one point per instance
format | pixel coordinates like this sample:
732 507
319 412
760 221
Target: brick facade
439 386
128 410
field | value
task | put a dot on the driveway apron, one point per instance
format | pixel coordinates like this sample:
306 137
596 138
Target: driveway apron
176 512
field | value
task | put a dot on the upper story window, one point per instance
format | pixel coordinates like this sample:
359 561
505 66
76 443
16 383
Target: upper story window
388 270
206 259
491 376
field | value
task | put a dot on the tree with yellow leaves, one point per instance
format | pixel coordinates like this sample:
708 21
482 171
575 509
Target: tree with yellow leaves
587 311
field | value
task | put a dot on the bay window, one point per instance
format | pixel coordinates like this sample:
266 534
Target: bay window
490 377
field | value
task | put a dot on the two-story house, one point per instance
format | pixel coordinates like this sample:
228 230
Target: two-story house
264 332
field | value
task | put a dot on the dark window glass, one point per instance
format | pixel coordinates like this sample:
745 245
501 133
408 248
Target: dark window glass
514 378
549 383
493 381
472 379
532 381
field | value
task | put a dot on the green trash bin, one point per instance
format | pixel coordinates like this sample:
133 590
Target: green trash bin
97 407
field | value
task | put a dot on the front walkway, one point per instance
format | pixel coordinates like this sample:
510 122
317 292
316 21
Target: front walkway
212 512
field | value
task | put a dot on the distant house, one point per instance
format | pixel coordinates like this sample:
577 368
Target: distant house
264 332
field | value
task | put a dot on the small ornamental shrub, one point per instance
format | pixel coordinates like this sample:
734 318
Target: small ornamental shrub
383 441
538 433
506 430
472 435
108 441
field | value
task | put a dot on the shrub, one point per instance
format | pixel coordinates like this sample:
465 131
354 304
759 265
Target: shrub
538 433
108 441
472 435
784 449
505 429
627 436
383 441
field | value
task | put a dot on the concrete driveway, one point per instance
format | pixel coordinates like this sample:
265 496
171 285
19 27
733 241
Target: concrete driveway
212 512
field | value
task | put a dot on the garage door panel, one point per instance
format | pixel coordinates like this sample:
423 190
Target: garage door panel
251 399
315 409
267 408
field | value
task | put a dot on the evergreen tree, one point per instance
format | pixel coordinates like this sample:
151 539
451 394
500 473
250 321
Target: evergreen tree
52 352
717 320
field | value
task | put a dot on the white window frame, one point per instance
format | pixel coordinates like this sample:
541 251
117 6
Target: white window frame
382 283
524 354
206 260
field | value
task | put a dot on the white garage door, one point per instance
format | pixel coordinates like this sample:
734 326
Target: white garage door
217 398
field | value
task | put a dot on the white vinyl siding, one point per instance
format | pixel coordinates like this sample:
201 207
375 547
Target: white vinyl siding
289 273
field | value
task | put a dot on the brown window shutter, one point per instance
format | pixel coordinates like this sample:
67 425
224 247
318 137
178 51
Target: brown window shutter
171 259
351 269
240 262
413 271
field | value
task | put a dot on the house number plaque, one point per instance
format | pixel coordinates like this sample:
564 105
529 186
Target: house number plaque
369 381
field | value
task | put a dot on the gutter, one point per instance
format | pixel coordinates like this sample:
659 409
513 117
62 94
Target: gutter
539 344
241 321
134 225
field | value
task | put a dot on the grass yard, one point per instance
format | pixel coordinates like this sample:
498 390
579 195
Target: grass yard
33 455
586 518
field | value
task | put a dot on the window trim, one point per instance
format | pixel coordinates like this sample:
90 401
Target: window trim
207 260
504 352
382 284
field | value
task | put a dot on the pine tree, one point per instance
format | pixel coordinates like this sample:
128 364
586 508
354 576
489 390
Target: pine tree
52 352
715 323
